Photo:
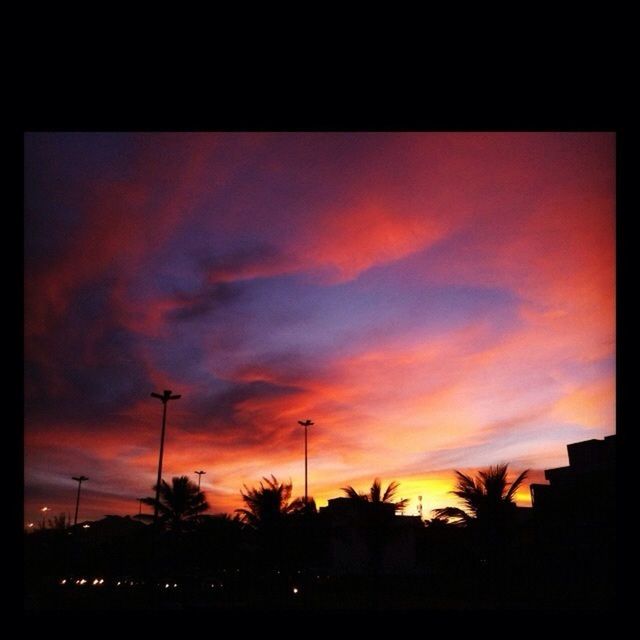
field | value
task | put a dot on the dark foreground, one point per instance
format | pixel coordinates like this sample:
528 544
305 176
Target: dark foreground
231 590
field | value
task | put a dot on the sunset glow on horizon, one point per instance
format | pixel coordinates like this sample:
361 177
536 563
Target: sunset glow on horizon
432 301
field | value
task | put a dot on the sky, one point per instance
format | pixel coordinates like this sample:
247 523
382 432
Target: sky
432 301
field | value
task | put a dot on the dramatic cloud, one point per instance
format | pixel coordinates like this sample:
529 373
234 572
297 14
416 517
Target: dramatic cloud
431 301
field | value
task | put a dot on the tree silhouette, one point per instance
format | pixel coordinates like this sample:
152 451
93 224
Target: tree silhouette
179 506
267 505
489 516
273 522
375 494
488 498
376 525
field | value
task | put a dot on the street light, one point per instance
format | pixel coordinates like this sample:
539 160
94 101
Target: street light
164 398
199 477
79 480
140 505
305 424
44 511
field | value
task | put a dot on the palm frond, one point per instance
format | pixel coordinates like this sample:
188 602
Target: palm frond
465 482
515 485
179 504
375 491
267 504
391 490
353 494
439 522
487 498
494 481
454 513
376 495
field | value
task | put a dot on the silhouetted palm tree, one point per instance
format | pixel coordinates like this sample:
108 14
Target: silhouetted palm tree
270 503
273 522
180 504
375 494
488 498
375 526
489 515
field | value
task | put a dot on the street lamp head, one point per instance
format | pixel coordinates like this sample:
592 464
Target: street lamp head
199 472
79 478
166 396
306 423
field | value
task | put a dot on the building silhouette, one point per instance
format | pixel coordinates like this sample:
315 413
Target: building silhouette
575 527
368 537
582 494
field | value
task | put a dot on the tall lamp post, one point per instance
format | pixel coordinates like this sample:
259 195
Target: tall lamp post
306 424
79 480
164 398
44 511
199 477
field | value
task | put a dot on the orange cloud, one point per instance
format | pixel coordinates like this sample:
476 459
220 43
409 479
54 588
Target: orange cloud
590 405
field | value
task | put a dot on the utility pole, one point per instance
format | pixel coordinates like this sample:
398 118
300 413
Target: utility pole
44 511
305 424
164 398
79 480
199 477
